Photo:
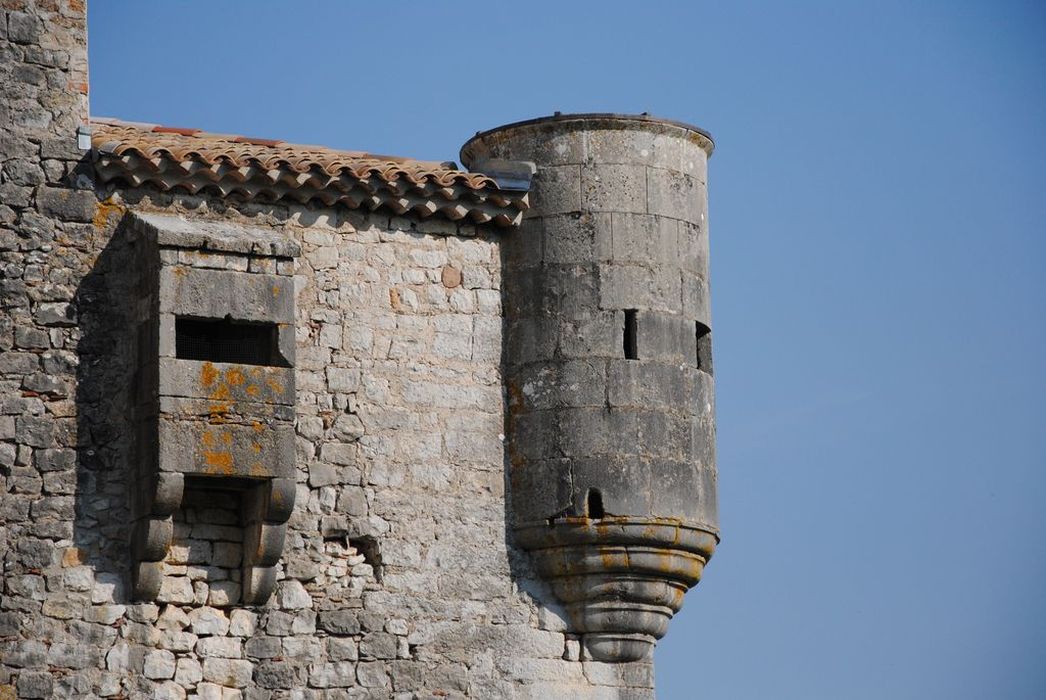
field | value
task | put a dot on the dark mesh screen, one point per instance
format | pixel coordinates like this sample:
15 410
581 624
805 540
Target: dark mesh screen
226 341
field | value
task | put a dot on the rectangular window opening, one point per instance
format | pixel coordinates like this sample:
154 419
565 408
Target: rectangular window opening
631 343
226 340
704 347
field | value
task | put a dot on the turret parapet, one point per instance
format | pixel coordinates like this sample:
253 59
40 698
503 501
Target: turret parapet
607 353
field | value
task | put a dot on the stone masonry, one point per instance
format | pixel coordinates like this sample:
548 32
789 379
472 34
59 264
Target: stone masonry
396 572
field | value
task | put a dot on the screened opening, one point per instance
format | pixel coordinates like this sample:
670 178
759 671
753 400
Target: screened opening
225 340
630 342
704 347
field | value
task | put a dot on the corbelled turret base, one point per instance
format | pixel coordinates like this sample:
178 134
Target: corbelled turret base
621 579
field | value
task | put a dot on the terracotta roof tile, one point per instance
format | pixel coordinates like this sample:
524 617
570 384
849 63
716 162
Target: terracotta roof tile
171 158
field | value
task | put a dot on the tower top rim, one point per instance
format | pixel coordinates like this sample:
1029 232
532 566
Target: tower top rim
598 120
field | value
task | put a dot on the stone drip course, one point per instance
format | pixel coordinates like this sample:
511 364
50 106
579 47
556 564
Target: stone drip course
421 351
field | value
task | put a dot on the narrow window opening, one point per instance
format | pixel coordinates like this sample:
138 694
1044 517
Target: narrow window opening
225 340
704 347
594 505
630 343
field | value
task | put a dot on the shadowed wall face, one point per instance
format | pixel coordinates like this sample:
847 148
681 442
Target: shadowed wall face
608 367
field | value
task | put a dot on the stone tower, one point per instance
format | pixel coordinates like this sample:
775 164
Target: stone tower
608 368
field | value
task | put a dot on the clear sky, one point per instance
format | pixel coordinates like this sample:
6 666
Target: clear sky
878 213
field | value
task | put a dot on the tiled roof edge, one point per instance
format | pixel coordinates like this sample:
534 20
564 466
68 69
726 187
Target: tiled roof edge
193 161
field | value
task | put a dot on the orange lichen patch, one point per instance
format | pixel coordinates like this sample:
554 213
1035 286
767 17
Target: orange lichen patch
257 469
257 426
208 374
103 210
252 390
217 462
234 376
276 387
256 447
73 556
219 409
207 438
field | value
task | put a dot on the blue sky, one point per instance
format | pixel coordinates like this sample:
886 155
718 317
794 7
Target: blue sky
877 198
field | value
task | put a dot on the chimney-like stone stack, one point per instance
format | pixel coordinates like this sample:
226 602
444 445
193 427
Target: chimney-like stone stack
608 368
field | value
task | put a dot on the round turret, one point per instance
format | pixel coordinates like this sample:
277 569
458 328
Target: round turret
608 367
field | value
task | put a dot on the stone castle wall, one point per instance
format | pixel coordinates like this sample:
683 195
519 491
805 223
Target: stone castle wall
397 578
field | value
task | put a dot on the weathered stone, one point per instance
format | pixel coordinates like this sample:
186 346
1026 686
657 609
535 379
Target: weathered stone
169 690
332 675
23 28
372 674
276 675
9 624
35 684
342 649
341 622
207 620
159 664
176 641
220 647
291 595
231 672
24 654
66 204
378 645
263 647
242 623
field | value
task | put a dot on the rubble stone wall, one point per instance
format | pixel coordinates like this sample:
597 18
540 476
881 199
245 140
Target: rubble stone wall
398 578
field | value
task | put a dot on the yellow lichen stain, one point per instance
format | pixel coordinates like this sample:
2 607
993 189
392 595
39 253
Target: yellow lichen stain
256 447
217 462
252 390
103 210
208 374
234 376
275 291
218 411
257 469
